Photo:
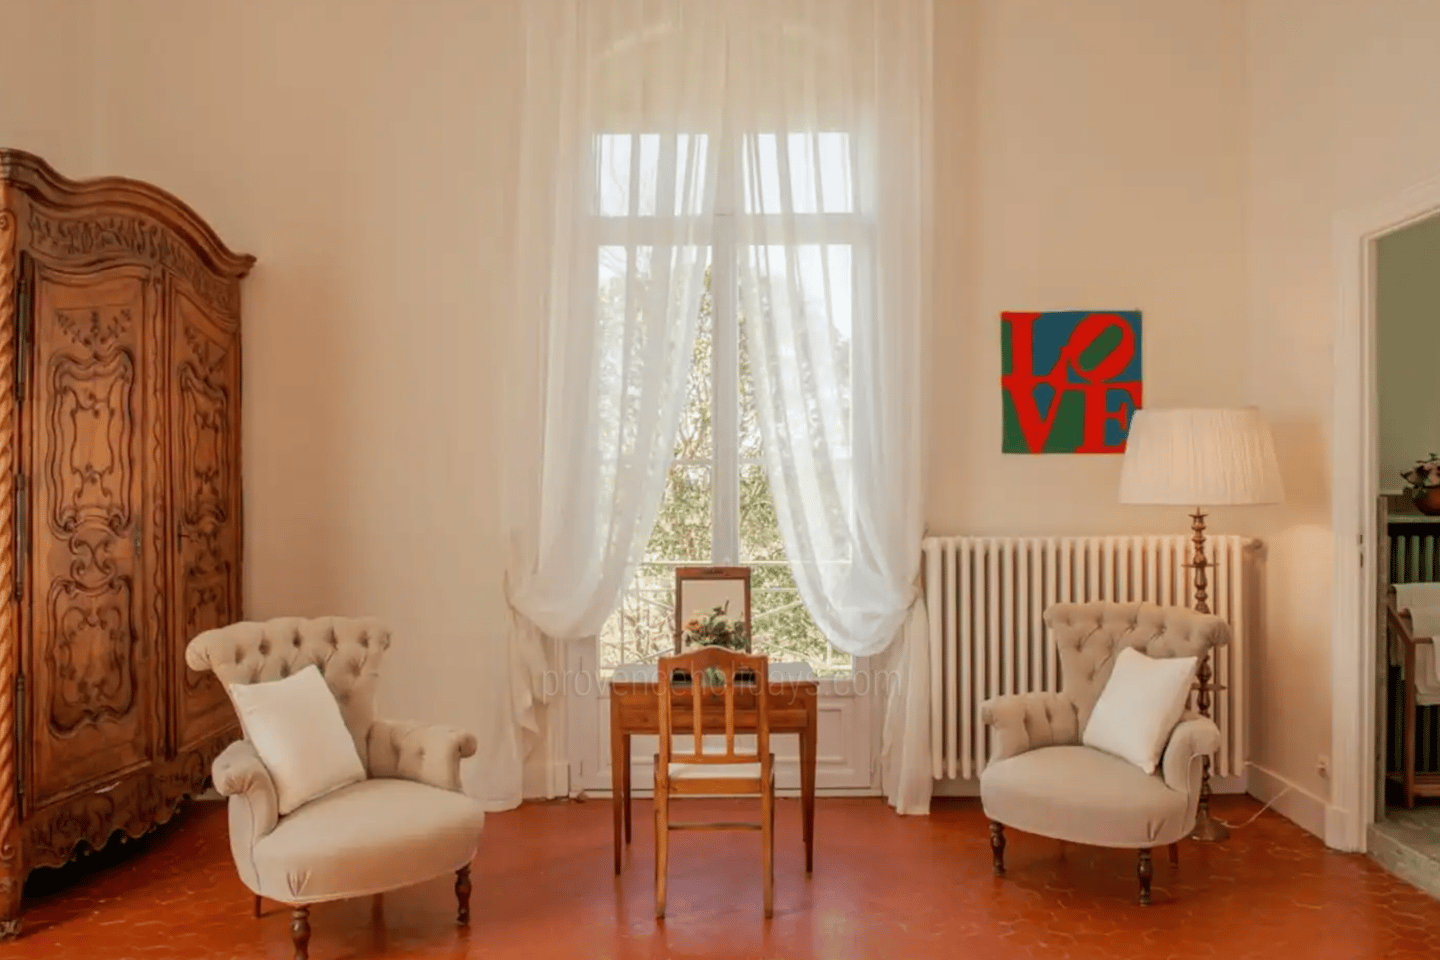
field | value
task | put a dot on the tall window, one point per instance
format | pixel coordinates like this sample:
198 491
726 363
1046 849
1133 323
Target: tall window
717 507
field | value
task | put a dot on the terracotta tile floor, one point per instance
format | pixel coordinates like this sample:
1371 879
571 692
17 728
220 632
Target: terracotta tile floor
885 887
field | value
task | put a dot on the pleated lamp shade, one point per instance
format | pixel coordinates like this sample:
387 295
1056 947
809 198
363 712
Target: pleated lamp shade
1200 458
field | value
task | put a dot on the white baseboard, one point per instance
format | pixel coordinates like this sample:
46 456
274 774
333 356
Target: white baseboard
956 788
821 793
545 781
971 788
1298 805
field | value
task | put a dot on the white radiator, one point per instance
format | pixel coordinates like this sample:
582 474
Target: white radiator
986 595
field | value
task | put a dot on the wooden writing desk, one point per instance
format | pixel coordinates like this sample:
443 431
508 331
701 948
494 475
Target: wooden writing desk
635 709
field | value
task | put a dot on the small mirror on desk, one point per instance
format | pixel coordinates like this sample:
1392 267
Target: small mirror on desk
700 590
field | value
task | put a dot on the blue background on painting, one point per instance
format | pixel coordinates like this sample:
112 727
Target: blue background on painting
1052 331
1044 394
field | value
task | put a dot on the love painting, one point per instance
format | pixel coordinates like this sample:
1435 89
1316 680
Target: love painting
1070 380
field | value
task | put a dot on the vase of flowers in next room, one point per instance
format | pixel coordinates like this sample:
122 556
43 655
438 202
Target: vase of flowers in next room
1424 489
716 628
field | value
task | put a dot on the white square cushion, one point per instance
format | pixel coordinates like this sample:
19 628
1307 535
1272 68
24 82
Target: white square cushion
295 726
1141 703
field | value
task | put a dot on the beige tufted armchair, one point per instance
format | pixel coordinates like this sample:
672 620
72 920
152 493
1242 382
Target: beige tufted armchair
1041 780
408 822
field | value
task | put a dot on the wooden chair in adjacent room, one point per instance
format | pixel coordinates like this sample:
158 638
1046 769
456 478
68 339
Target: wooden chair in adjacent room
1408 606
714 690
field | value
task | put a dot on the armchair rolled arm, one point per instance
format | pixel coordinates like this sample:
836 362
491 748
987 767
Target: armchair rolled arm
1193 737
239 773
1026 721
425 753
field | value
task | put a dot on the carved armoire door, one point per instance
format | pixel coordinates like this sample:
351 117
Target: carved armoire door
92 456
205 491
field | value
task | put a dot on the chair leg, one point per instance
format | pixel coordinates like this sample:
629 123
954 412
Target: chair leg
257 905
1174 854
1146 871
662 849
997 847
767 845
300 932
462 896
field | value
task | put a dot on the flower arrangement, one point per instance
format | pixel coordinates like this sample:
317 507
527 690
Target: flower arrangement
1424 475
716 628
1424 489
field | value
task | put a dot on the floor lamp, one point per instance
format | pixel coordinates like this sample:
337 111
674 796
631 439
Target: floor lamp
1200 458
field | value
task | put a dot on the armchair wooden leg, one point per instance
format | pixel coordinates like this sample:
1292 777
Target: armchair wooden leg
1174 854
462 896
257 905
997 847
300 932
1146 871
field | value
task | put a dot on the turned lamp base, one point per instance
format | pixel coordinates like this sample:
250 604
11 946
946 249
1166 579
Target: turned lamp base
1208 829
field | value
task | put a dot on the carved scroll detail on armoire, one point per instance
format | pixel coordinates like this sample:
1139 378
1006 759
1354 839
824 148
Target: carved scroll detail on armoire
120 523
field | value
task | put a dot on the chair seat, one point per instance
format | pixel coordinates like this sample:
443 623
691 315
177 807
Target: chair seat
366 838
688 770
1085 796
714 771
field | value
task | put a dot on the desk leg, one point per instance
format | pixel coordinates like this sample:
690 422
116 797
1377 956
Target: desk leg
808 753
618 749
625 773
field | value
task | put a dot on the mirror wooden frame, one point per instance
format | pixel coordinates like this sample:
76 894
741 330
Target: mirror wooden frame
710 574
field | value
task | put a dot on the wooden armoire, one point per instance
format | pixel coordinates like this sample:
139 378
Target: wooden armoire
120 526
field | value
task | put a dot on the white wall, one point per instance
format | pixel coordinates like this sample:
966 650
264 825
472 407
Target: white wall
361 151
1342 114
1090 155
47 81
1187 158
1407 313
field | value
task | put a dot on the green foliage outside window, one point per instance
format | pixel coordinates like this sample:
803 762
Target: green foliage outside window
642 628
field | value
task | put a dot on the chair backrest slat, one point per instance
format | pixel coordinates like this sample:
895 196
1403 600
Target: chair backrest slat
730 709
697 714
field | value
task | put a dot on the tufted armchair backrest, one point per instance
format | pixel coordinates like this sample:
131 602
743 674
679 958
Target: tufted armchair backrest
1089 636
347 651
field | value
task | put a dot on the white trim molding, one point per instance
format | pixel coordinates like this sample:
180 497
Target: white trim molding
1290 800
1221 786
1354 453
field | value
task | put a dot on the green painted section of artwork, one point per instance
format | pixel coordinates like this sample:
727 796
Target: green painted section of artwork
1100 349
1069 422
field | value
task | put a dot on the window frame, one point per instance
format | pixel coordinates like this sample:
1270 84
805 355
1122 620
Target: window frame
659 227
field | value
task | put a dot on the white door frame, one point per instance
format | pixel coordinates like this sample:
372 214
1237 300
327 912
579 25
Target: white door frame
1355 456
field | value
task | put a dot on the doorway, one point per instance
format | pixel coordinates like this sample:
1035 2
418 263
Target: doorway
1406 832
1364 501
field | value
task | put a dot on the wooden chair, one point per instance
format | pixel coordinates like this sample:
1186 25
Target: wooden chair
689 699
1411 783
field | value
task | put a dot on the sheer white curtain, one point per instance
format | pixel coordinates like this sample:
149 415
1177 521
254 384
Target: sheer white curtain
833 104
616 193
651 129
